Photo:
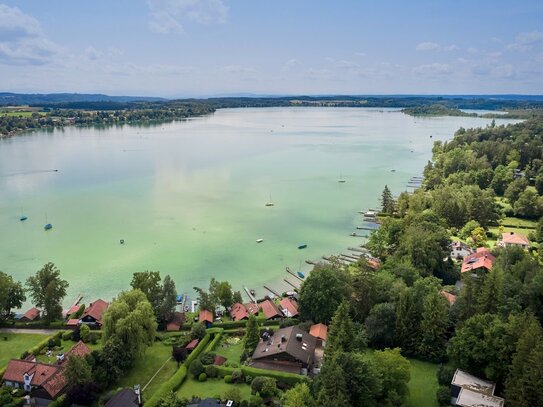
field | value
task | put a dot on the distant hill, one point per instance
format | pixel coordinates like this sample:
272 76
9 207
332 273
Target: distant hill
15 99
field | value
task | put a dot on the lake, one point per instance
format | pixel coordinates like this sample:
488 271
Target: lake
188 198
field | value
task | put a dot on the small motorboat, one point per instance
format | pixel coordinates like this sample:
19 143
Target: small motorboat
302 246
300 274
121 241
48 226
23 218
253 292
259 240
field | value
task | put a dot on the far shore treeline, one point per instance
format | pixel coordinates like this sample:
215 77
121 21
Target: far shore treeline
19 112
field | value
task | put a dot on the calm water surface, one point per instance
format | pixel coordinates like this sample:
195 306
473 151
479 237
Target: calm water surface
188 197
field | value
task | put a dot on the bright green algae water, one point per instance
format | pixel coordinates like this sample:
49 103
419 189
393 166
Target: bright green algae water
189 197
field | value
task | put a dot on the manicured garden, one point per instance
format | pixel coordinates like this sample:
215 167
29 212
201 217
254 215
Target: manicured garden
16 344
423 384
210 388
230 347
146 366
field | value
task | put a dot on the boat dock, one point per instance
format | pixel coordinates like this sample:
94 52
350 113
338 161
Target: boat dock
295 275
275 293
292 284
251 296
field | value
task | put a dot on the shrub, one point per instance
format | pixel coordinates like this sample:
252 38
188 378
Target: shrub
248 379
66 336
228 379
265 386
233 394
51 343
445 374
202 377
24 354
211 371
237 376
244 403
444 396
84 332
198 331
255 401
196 367
207 358
287 322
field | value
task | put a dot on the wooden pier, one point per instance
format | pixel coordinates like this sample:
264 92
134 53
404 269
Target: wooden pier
365 228
295 275
273 292
251 296
357 249
291 284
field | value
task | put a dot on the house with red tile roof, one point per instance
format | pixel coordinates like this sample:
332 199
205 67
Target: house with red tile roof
289 307
30 315
205 317
192 345
252 308
43 381
177 322
238 312
270 310
319 331
482 259
451 298
94 312
513 239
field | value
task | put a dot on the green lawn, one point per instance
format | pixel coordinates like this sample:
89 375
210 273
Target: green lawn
19 114
66 346
210 388
16 344
145 367
423 384
229 349
525 223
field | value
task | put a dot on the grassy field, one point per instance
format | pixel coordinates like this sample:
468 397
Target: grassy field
210 388
16 344
19 114
66 346
517 222
145 367
423 384
230 350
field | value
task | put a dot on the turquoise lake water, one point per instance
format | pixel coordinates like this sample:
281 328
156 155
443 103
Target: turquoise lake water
189 197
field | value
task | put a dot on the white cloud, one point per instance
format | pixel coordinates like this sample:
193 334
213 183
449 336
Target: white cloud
435 69
344 64
360 54
525 41
167 15
237 69
427 46
432 46
22 40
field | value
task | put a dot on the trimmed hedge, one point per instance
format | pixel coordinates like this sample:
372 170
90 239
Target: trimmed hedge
173 383
213 344
288 378
37 349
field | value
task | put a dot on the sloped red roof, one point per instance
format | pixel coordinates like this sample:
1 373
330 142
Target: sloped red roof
319 331
219 360
251 308
514 238
374 263
480 259
451 298
96 310
290 306
50 377
72 322
73 308
177 322
32 314
238 312
192 344
79 349
270 309
205 316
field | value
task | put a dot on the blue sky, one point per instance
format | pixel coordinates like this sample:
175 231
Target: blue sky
177 48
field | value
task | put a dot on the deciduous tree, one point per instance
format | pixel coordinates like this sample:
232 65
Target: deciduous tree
48 290
12 295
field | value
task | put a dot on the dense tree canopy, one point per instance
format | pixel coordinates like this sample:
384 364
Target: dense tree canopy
48 290
12 295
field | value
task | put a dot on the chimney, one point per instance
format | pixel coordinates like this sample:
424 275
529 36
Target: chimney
299 337
511 233
283 339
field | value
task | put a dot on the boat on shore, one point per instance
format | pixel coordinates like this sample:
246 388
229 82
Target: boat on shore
300 274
